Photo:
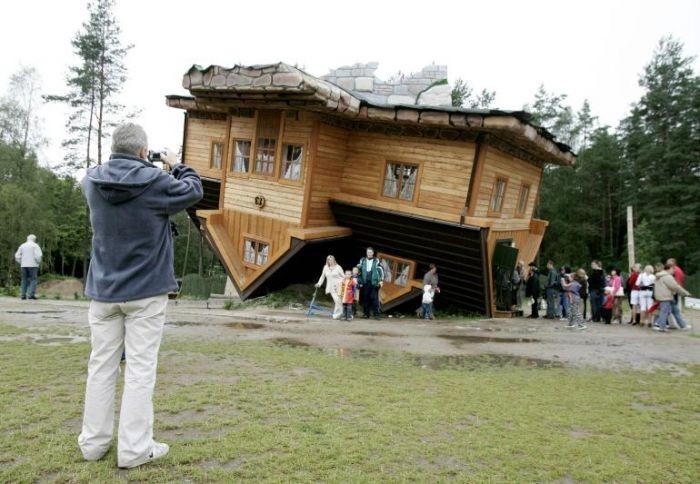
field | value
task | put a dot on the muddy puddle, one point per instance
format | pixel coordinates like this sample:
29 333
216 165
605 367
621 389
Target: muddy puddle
245 325
439 362
235 325
44 339
290 343
377 333
39 311
460 339
432 362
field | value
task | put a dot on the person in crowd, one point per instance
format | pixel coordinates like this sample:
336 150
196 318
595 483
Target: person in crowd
346 291
596 288
633 289
552 290
28 256
332 273
428 295
431 277
679 276
532 290
618 294
606 309
371 280
646 281
664 290
517 282
356 278
582 278
572 286
563 294
130 275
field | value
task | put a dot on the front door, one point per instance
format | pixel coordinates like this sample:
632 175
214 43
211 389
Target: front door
502 266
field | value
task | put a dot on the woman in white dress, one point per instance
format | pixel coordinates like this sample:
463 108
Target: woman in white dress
333 275
646 281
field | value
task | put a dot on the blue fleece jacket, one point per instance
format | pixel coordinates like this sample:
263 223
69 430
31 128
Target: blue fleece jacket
130 203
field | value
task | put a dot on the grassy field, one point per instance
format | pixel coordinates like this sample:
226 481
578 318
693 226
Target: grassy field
270 412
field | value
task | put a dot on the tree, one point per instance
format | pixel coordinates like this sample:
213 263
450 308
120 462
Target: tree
94 83
550 111
662 153
19 123
93 87
463 96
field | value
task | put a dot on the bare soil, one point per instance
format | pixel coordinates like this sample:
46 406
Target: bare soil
431 343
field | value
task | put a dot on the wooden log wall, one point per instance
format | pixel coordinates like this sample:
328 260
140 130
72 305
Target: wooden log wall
327 175
517 173
200 134
284 200
443 177
238 225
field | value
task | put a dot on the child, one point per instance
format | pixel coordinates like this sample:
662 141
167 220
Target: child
428 295
608 302
355 277
347 295
572 287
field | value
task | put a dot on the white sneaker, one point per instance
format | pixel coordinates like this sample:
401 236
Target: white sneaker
158 450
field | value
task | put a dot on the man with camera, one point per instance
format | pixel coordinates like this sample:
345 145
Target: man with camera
131 273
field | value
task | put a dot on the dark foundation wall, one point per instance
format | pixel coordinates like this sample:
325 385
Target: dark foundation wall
458 251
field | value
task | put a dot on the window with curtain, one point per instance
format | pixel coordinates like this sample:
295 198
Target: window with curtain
522 199
400 180
499 192
266 148
217 151
396 271
255 252
241 156
292 161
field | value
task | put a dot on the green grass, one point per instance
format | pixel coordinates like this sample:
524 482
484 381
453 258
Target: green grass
262 412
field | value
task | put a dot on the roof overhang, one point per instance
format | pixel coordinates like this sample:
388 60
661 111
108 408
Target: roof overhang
219 89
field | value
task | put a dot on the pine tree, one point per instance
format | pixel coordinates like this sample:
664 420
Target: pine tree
94 84
662 153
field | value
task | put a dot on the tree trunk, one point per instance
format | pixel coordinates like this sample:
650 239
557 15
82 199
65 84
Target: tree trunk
101 111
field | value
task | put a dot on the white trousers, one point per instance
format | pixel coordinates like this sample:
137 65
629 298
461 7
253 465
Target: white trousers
338 309
136 327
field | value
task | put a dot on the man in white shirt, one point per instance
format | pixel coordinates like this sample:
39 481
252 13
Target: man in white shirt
28 256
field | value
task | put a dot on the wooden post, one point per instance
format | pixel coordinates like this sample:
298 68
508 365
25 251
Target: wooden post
630 236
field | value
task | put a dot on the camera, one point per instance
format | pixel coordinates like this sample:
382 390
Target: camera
154 156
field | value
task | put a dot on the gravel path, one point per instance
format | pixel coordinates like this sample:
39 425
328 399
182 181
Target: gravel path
602 346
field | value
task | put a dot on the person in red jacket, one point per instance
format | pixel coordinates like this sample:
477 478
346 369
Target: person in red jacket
633 289
346 290
608 302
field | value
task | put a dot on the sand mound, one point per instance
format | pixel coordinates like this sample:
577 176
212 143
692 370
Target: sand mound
64 288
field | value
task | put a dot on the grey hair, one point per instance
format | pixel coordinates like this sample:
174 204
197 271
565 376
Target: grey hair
129 138
31 238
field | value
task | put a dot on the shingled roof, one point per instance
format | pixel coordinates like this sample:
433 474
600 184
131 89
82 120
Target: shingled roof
216 88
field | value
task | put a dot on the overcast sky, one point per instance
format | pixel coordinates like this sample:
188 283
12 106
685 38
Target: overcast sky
586 49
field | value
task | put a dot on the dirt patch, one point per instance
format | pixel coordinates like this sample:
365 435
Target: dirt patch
212 464
643 407
580 434
64 288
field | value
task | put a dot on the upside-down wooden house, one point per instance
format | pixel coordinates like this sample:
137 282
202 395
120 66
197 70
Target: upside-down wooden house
296 166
